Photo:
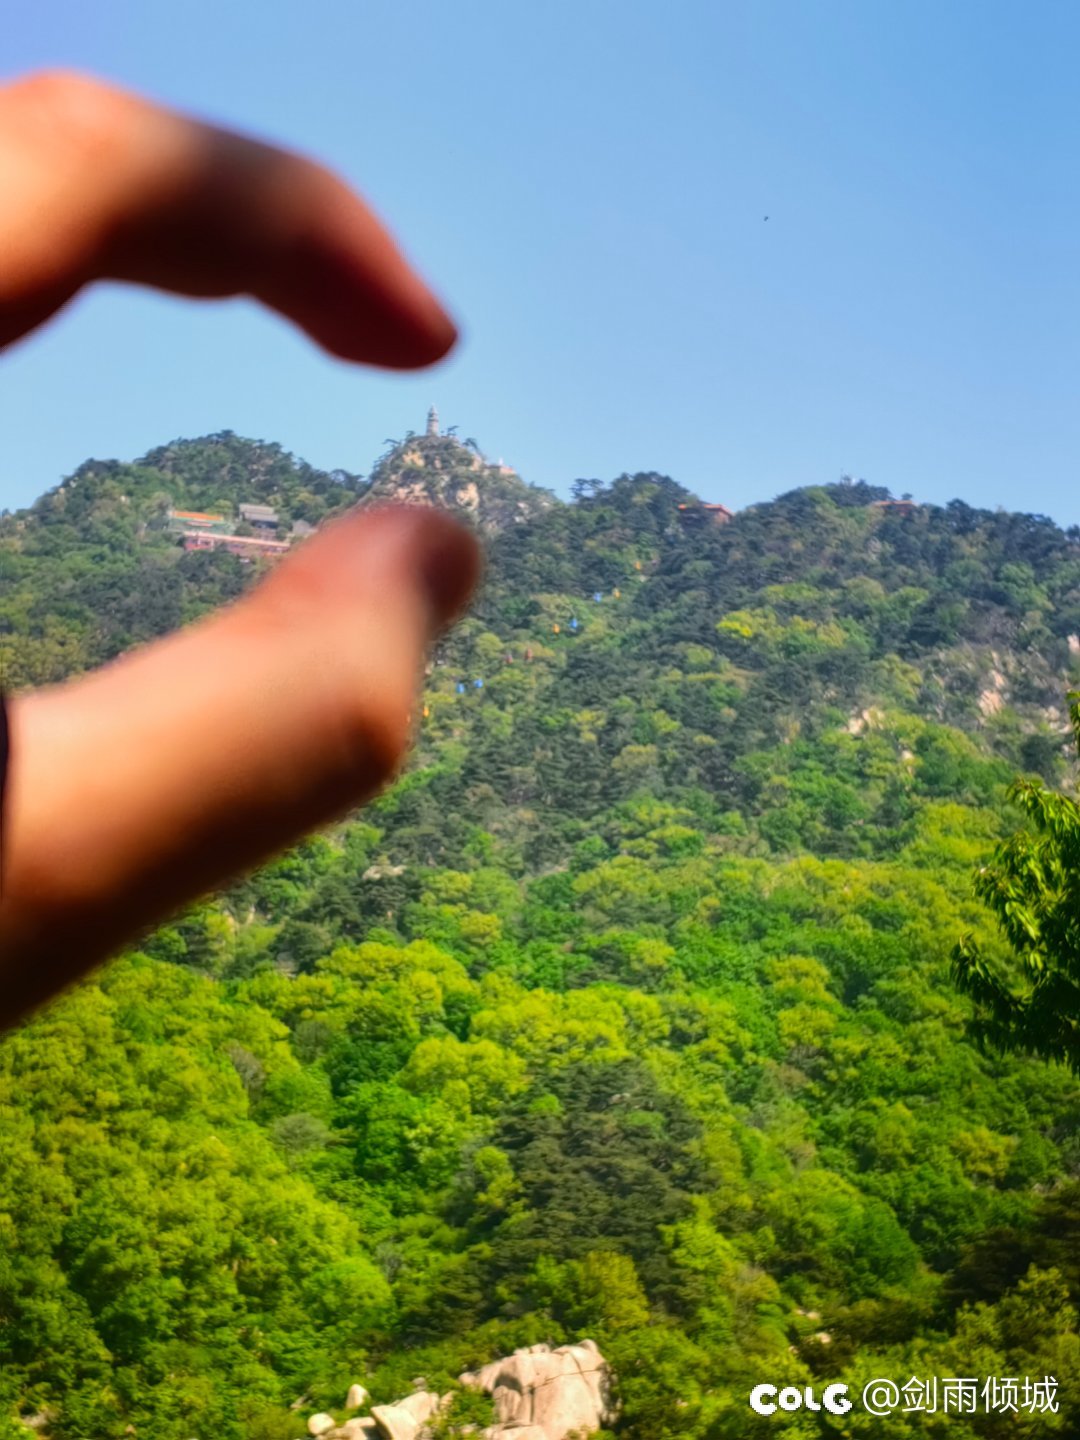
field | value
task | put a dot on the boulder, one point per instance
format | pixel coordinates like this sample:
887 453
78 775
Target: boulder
319 1424
356 1397
406 1419
395 1422
421 1405
540 1393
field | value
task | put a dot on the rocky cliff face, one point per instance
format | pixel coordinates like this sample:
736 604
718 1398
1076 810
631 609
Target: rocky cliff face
436 469
539 1393
545 1394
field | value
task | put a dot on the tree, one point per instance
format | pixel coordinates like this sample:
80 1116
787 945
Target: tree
616 1016
1032 887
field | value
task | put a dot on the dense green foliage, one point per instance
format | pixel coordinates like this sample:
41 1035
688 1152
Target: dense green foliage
627 1013
1032 887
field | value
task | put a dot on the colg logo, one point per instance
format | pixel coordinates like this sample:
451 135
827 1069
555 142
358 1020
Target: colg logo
765 1400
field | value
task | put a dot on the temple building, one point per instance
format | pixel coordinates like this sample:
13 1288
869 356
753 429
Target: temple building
195 520
263 518
703 514
200 531
244 546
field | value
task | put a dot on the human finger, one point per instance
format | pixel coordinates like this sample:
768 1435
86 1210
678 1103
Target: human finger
136 788
99 183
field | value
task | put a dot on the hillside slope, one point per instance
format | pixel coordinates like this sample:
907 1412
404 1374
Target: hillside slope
438 469
626 1013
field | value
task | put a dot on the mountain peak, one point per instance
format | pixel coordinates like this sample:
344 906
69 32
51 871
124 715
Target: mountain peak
436 468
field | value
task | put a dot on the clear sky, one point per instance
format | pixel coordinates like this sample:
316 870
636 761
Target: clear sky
586 181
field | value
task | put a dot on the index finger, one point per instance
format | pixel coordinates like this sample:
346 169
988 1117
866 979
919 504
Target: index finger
101 184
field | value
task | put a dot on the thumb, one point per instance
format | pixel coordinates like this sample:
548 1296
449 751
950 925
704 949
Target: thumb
149 782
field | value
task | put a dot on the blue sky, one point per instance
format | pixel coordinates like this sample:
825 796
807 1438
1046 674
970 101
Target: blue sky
586 184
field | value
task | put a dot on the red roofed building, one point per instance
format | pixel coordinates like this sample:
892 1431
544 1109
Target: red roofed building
700 513
195 520
246 546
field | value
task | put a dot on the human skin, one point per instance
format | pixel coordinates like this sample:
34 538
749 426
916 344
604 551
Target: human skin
296 700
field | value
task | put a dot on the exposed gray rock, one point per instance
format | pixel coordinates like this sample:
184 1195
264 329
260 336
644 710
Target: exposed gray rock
395 1422
421 1405
362 1427
545 1394
404 1420
319 1424
356 1397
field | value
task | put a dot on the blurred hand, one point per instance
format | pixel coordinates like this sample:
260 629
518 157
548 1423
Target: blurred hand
149 782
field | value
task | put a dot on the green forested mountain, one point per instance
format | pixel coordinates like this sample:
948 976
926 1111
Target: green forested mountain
626 1014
